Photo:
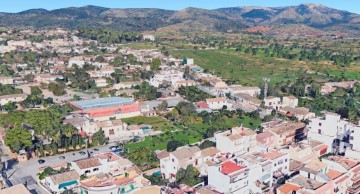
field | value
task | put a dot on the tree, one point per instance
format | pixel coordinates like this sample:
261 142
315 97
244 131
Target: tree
187 72
18 138
206 144
173 145
155 64
10 106
100 59
163 106
57 89
99 138
142 156
188 176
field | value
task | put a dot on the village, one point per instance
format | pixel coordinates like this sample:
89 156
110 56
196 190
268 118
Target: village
81 116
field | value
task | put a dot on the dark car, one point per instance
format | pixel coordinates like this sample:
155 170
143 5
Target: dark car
62 157
96 149
41 161
82 153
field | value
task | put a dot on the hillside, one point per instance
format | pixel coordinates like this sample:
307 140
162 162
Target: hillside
319 19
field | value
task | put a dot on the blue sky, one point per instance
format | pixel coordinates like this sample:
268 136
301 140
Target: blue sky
20 5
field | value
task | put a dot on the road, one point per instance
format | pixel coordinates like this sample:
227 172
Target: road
58 99
26 172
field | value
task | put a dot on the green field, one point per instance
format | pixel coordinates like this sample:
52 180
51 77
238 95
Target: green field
193 133
249 70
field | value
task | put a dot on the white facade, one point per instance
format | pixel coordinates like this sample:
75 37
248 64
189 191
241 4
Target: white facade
6 80
218 103
237 140
290 101
327 129
12 98
101 82
170 76
273 102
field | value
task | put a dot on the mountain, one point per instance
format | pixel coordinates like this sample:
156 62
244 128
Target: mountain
313 18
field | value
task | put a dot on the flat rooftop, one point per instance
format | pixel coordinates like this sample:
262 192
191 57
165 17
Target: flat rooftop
101 103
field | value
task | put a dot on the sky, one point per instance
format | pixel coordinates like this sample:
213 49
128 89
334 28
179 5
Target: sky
21 5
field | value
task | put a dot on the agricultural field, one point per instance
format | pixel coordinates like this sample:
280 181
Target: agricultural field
247 69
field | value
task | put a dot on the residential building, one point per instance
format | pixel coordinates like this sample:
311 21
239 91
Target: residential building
184 83
290 101
354 150
124 85
115 175
311 186
171 162
12 98
20 188
169 76
285 132
101 82
273 102
247 99
237 140
329 129
149 37
58 183
103 72
301 113
238 89
218 103
47 78
6 80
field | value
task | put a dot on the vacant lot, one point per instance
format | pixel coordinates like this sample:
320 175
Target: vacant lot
248 69
158 123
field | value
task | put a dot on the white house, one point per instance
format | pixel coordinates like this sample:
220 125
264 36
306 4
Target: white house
218 103
149 37
238 89
184 83
171 162
273 102
354 150
6 80
58 183
237 140
170 76
101 82
12 98
329 128
290 101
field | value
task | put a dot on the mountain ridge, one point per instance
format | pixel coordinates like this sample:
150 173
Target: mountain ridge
232 19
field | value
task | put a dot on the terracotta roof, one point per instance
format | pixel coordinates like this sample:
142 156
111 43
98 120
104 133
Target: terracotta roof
221 99
264 135
109 156
230 167
16 189
162 154
288 188
87 163
209 151
341 179
64 177
347 163
333 174
273 154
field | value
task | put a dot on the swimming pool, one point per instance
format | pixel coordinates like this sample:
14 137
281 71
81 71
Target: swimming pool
156 172
146 128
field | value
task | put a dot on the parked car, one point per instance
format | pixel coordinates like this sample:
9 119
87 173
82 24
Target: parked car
82 153
41 161
96 149
62 157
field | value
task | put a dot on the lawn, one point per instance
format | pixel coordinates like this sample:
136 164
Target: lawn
247 69
159 142
158 123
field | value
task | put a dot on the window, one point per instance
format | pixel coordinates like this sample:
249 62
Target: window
319 124
111 132
285 160
173 160
319 131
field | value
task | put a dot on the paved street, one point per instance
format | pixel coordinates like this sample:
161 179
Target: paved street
26 172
